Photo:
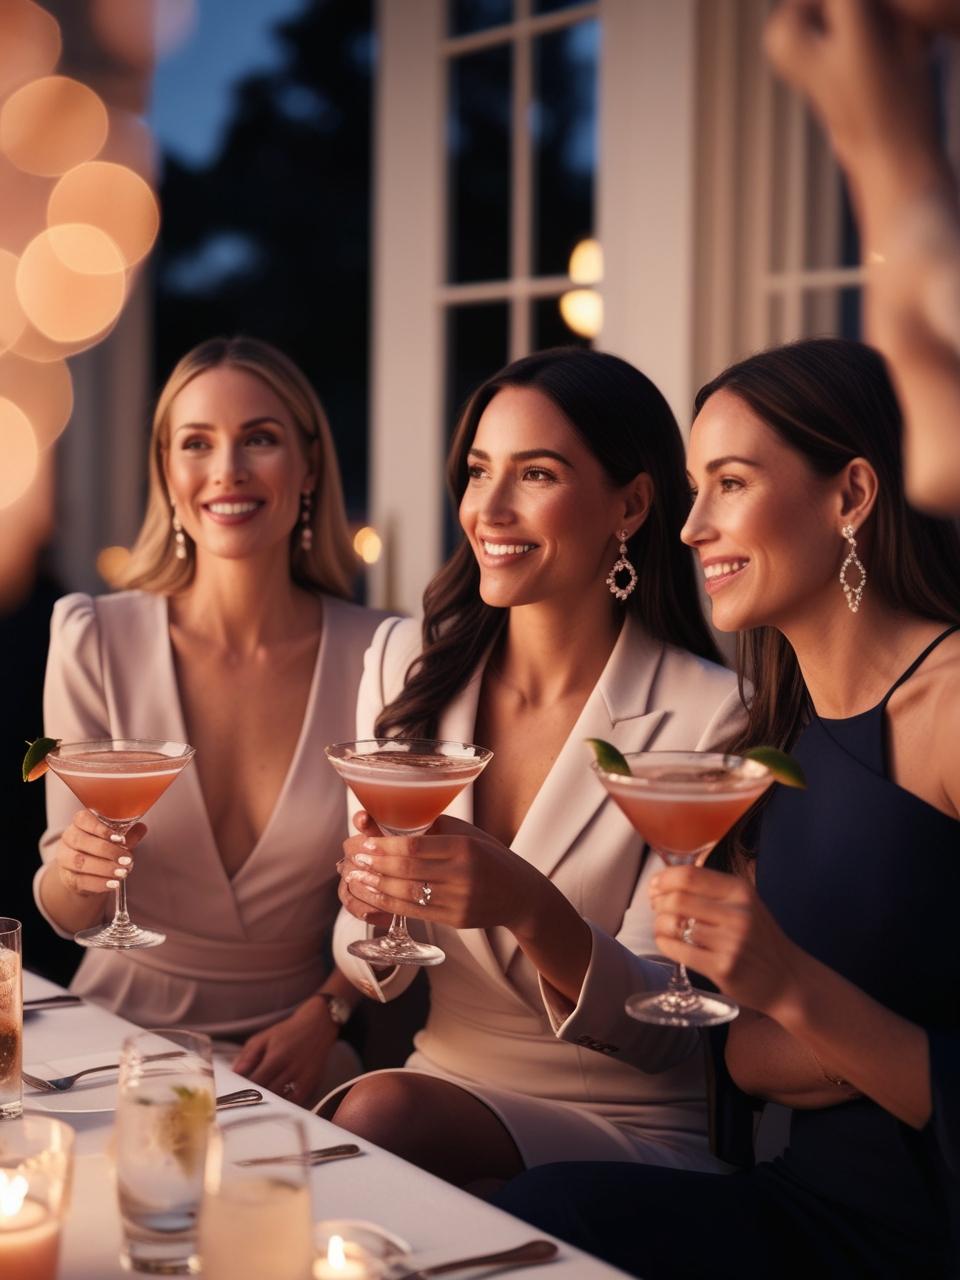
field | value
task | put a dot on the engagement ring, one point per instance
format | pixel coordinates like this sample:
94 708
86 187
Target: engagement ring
426 893
686 932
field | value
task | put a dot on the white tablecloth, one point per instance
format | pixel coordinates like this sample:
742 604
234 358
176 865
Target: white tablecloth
439 1221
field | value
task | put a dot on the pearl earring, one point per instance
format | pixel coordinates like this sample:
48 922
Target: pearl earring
179 537
306 520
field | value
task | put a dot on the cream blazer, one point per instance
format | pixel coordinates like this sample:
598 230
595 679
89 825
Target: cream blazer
495 1026
243 951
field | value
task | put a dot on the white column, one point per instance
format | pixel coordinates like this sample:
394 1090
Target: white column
407 446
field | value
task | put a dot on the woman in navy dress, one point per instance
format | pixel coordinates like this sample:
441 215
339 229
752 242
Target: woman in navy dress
836 933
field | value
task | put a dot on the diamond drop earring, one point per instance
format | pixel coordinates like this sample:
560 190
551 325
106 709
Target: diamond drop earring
306 518
623 565
852 594
179 537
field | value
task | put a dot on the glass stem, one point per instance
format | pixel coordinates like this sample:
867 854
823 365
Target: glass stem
398 929
679 984
121 917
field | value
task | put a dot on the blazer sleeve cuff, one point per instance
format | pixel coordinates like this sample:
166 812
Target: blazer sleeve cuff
599 1021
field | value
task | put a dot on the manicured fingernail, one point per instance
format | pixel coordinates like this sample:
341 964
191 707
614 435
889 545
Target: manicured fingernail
125 861
113 884
371 845
363 859
362 877
120 871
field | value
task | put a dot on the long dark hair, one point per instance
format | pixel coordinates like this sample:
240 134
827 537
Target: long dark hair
832 400
628 426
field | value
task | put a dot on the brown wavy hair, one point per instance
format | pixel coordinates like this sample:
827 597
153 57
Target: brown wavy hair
330 564
832 400
629 428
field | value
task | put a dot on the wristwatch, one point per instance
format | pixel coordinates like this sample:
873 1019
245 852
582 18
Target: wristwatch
337 1007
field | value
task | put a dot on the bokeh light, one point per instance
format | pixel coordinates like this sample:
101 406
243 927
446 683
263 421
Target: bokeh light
368 544
110 197
12 319
586 262
37 347
23 205
52 124
43 391
111 561
19 451
582 311
71 282
29 43
140 31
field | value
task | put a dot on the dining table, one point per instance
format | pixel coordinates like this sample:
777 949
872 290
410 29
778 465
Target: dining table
439 1222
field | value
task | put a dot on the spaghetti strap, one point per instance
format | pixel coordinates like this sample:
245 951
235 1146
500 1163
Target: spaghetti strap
916 663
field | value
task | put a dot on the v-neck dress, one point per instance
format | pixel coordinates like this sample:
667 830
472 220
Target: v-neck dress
241 952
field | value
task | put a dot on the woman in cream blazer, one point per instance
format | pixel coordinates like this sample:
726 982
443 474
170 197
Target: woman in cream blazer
528 1019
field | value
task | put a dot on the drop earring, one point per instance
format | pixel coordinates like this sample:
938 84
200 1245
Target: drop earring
179 537
306 520
622 565
852 594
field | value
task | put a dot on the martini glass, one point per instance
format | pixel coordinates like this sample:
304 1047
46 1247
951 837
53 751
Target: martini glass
682 803
405 784
118 780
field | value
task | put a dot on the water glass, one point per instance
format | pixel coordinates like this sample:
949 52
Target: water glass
165 1114
11 1019
36 1165
255 1220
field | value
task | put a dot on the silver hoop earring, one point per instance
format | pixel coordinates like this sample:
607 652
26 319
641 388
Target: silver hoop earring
179 537
623 565
306 520
852 594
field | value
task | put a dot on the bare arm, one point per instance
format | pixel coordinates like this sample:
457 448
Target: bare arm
766 1061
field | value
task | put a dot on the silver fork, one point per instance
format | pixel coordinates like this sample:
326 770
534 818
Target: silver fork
63 1083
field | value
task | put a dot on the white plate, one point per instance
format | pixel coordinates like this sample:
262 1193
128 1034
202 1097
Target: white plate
93 1093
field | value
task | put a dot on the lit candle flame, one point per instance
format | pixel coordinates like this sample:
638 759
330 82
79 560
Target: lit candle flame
336 1254
13 1192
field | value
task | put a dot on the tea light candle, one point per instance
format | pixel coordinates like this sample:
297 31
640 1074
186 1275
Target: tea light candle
29 1234
345 1260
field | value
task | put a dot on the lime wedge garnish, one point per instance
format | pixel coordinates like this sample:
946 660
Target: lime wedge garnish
35 761
609 758
783 767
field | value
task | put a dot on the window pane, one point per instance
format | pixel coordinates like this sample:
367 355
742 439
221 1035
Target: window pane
477 346
478 143
550 329
466 16
833 313
563 126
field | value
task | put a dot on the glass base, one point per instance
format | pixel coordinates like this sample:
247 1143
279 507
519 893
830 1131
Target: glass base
390 951
674 1009
158 1259
11 1109
123 937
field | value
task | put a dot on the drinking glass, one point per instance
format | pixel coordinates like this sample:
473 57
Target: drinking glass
119 780
682 803
36 1165
11 1018
165 1113
405 784
255 1221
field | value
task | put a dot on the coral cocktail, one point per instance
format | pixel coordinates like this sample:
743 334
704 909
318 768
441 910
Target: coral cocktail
119 780
405 784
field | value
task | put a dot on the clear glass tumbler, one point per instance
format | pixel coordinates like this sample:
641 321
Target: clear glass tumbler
165 1115
11 1019
256 1219
36 1166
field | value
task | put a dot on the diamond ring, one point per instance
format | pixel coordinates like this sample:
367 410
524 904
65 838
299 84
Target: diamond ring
289 1089
686 932
426 893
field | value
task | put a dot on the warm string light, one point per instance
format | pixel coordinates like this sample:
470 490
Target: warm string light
582 308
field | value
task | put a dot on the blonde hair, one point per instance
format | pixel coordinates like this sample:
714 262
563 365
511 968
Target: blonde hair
329 564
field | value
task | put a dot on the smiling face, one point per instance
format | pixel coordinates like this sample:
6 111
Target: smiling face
539 511
235 464
765 525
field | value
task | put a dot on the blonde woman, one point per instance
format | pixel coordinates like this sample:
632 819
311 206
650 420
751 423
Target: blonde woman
234 634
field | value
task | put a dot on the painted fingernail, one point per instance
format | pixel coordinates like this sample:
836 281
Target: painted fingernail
124 861
363 859
363 877
113 884
371 845
120 871
116 837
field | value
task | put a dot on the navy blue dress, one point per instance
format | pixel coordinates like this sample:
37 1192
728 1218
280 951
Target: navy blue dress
865 876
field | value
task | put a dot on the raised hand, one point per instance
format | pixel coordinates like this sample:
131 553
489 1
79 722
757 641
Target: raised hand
90 860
